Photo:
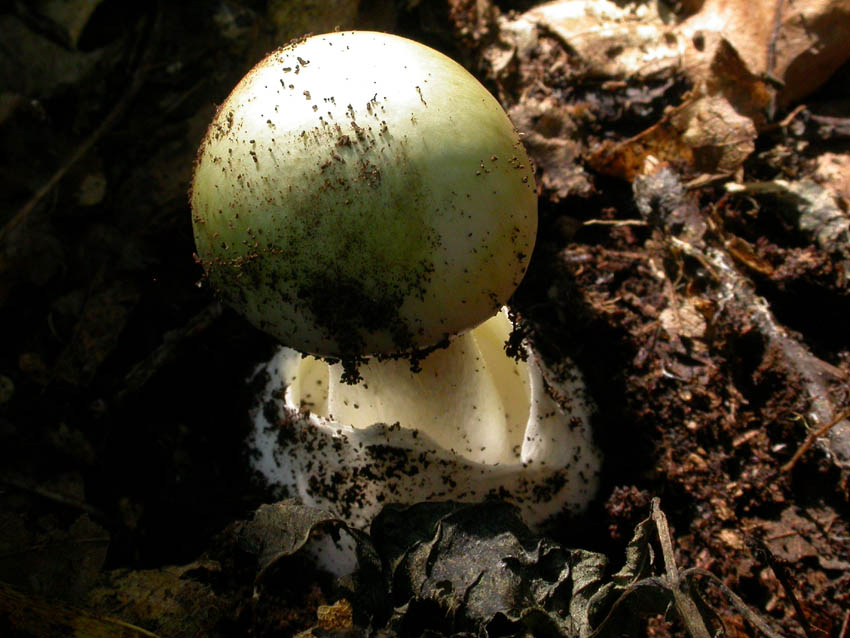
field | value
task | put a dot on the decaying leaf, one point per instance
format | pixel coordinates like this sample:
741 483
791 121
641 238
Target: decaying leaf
171 601
51 562
478 565
549 134
774 39
800 44
684 320
26 615
285 528
719 138
608 39
661 142
456 568
705 135
742 62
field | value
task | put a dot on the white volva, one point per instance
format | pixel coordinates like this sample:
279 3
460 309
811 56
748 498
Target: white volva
473 424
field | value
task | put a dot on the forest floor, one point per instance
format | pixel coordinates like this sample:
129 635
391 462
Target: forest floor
710 322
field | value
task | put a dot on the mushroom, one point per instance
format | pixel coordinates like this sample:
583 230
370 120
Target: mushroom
365 200
359 193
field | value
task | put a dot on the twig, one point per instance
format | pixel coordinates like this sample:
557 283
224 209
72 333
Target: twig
811 439
61 499
832 127
754 619
736 292
661 199
681 596
784 579
615 222
786 121
27 615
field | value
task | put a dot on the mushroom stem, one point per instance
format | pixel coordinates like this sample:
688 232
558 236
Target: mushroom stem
470 397
473 424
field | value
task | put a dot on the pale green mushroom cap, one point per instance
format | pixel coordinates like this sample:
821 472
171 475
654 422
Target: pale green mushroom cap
359 193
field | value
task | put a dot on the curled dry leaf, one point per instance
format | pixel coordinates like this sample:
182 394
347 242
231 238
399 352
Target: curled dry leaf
706 134
719 137
550 136
684 320
609 40
742 59
799 43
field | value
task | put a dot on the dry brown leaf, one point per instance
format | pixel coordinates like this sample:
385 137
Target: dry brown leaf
719 138
735 52
706 135
548 134
172 601
659 144
609 40
799 43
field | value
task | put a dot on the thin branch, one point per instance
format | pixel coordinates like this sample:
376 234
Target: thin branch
615 222
142 371
811 439
737 292
685 604
784 578
753 618
27 615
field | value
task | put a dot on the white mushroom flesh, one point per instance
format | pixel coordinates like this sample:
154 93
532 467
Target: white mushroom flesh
473 424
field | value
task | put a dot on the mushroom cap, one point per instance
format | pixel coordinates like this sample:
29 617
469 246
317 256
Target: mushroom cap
359 193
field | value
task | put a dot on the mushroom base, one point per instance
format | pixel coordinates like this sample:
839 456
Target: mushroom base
354 469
